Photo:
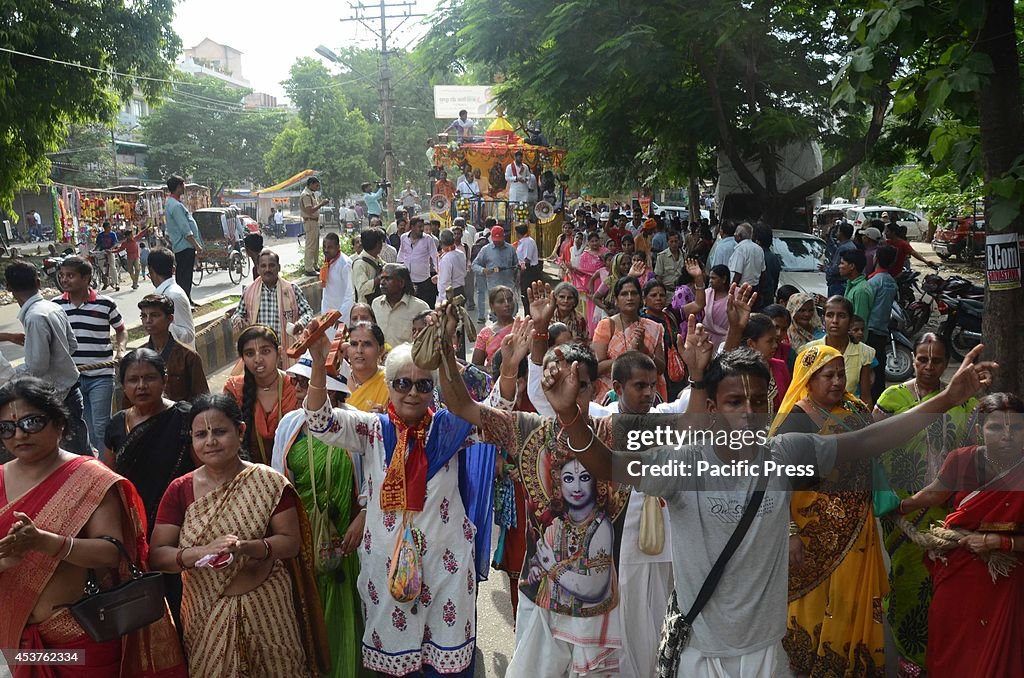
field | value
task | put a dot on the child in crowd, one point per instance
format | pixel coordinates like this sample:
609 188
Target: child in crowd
558 334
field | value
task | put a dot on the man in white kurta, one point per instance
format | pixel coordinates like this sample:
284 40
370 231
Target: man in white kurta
645 580
339 292
517 175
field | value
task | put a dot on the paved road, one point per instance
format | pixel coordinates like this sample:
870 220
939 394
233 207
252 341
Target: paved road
212 287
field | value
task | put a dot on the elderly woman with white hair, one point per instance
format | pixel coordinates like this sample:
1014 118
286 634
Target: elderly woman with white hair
416 618
328 481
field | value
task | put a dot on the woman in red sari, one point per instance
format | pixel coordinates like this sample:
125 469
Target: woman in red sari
54 507
976 618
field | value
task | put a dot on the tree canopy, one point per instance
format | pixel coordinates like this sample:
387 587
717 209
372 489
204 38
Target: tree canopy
640 87
960 81
202 130
327 135
39 99
412 114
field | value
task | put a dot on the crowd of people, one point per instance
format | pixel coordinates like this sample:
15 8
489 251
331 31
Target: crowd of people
335 517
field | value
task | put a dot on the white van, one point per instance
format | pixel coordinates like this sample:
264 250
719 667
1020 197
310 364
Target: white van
861 217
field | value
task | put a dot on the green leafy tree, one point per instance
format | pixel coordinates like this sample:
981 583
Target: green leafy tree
203 131
413 124
328 135
938 195
39 100
960 81
747 78
85 159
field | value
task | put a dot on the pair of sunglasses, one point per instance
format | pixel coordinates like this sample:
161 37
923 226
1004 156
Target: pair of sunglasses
33 423
404 385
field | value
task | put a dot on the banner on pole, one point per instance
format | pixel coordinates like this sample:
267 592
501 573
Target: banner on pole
1002 261
475 100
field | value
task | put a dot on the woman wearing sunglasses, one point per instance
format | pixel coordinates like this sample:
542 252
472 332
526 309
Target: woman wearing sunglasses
301 458
412 467
263 391
54 507
234 530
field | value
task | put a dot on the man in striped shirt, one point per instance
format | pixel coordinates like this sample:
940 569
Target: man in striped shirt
92 316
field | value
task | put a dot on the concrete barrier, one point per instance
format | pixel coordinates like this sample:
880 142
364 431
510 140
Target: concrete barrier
215 342
215 339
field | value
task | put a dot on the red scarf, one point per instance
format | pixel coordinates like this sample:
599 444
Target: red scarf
405 483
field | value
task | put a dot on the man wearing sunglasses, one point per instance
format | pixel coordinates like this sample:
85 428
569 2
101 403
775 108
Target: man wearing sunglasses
49 346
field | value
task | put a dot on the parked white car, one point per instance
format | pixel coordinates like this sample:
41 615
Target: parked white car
681 211
801 255
861 216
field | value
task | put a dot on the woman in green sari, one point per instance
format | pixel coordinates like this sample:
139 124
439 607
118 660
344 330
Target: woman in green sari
911 468
338 478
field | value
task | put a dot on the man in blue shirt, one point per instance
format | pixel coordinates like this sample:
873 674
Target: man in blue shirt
106 240
372 200
884 287
183 233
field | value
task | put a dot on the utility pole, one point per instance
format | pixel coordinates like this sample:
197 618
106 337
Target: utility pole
359 13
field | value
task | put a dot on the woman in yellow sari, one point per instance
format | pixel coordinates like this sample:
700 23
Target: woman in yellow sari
236 532
365 347
837 575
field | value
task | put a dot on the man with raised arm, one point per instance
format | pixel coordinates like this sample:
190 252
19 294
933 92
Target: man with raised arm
709 486
569 607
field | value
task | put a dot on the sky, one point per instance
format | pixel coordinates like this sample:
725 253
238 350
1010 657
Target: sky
271 36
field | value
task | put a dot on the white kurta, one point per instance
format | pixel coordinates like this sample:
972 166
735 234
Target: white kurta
518 191
439 627
340 292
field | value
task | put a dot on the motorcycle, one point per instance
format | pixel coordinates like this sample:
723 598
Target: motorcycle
911 297
899 351
51 268
961 330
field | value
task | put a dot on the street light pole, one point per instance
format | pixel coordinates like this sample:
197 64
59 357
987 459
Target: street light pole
386 103
384 71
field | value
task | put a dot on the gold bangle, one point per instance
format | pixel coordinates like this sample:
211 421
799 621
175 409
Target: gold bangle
505 376
579 412
319 388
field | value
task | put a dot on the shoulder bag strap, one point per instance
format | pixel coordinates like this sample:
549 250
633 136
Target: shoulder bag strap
92 585
711 583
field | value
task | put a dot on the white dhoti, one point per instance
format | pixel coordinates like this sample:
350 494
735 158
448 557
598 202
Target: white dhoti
644 590
768 662
552 645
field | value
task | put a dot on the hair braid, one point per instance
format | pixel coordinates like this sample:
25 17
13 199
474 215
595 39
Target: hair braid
249 409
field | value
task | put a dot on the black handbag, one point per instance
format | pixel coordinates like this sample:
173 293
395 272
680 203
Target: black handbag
675 632
117 611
